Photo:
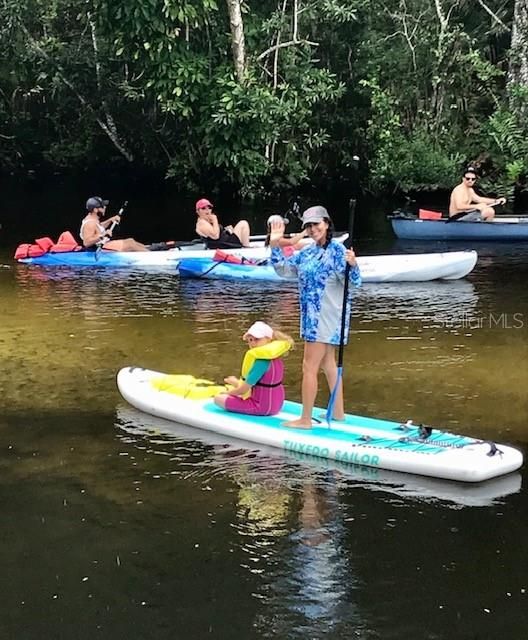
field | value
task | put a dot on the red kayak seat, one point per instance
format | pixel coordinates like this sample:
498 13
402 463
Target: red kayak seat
425 214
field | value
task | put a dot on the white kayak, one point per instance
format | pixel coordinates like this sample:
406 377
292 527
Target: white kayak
137 427
357 440
421 267
167 259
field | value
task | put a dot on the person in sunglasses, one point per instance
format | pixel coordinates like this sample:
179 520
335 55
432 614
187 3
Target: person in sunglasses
215 235
466 205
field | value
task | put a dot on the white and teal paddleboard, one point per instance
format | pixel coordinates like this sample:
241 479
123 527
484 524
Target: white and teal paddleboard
358 440
226 457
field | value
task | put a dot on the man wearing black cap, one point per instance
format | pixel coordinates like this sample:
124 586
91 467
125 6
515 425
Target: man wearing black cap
96 233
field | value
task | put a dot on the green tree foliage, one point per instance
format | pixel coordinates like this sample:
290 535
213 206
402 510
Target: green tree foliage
435 75
418 87
267 127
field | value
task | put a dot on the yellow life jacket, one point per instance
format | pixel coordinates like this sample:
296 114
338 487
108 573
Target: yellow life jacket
270 351
188 386
193 388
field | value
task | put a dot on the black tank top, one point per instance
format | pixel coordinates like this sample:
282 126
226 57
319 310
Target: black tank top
226 240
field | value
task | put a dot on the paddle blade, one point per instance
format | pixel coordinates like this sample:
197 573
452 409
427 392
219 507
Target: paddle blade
332 399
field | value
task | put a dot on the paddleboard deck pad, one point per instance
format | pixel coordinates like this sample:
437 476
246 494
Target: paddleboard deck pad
358 440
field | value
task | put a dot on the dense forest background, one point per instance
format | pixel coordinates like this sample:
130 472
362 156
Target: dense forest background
261 97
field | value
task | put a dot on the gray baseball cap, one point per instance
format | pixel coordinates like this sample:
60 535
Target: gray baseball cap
314 215
95 202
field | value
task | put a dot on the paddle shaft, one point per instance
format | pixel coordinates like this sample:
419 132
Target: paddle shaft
120 214
348 244
338 382
114 224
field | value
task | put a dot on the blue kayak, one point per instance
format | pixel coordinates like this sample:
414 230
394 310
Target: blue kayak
420 267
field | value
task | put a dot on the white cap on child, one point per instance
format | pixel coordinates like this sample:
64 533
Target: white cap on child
259 330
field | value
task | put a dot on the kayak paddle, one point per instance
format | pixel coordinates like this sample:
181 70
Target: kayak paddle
114 224
120 214
348 244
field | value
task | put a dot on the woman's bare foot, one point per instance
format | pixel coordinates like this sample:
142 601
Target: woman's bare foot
322 416
300 423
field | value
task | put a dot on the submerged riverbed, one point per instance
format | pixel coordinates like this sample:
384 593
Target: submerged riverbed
121 525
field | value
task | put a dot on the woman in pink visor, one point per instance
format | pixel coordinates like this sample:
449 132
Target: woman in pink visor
215 235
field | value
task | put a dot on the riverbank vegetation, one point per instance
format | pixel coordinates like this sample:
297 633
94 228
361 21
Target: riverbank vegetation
263 96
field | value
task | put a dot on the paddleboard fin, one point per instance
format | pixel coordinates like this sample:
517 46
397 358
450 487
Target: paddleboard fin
424 431
494 449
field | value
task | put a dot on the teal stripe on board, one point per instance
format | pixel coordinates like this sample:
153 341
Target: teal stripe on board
390 437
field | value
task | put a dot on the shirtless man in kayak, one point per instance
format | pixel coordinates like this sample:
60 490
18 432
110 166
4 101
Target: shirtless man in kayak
96 233
465 204
216 236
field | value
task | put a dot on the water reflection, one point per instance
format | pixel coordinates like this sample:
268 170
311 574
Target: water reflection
417 350
505 252
432 302
111 293
287 520
297 520
267 464
124 292
99 292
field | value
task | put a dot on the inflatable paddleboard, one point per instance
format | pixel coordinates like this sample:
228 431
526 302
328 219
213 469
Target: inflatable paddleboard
358 440
165 436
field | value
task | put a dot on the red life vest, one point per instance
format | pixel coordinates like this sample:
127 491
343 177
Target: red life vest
66 242
222 256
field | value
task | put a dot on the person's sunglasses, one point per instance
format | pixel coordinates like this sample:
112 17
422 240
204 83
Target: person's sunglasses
469 179
204 208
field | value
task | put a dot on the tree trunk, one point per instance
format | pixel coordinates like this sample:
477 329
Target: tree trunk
237 38
518 70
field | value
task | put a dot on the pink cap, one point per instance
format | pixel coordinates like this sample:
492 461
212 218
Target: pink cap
202 203
259 330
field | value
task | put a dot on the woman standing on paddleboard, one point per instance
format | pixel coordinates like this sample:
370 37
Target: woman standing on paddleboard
320 268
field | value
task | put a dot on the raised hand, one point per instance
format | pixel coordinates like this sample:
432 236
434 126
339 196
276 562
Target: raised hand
276 233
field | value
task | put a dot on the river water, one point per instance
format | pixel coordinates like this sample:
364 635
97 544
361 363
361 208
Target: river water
119 525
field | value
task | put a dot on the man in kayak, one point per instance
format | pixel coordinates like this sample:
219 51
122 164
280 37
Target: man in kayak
96 233
465 204
215 235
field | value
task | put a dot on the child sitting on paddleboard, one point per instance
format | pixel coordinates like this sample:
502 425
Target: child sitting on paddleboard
260 390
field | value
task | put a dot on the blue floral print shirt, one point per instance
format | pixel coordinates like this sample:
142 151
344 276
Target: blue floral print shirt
321 274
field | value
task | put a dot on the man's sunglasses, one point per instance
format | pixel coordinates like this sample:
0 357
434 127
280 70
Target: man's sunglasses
469 179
